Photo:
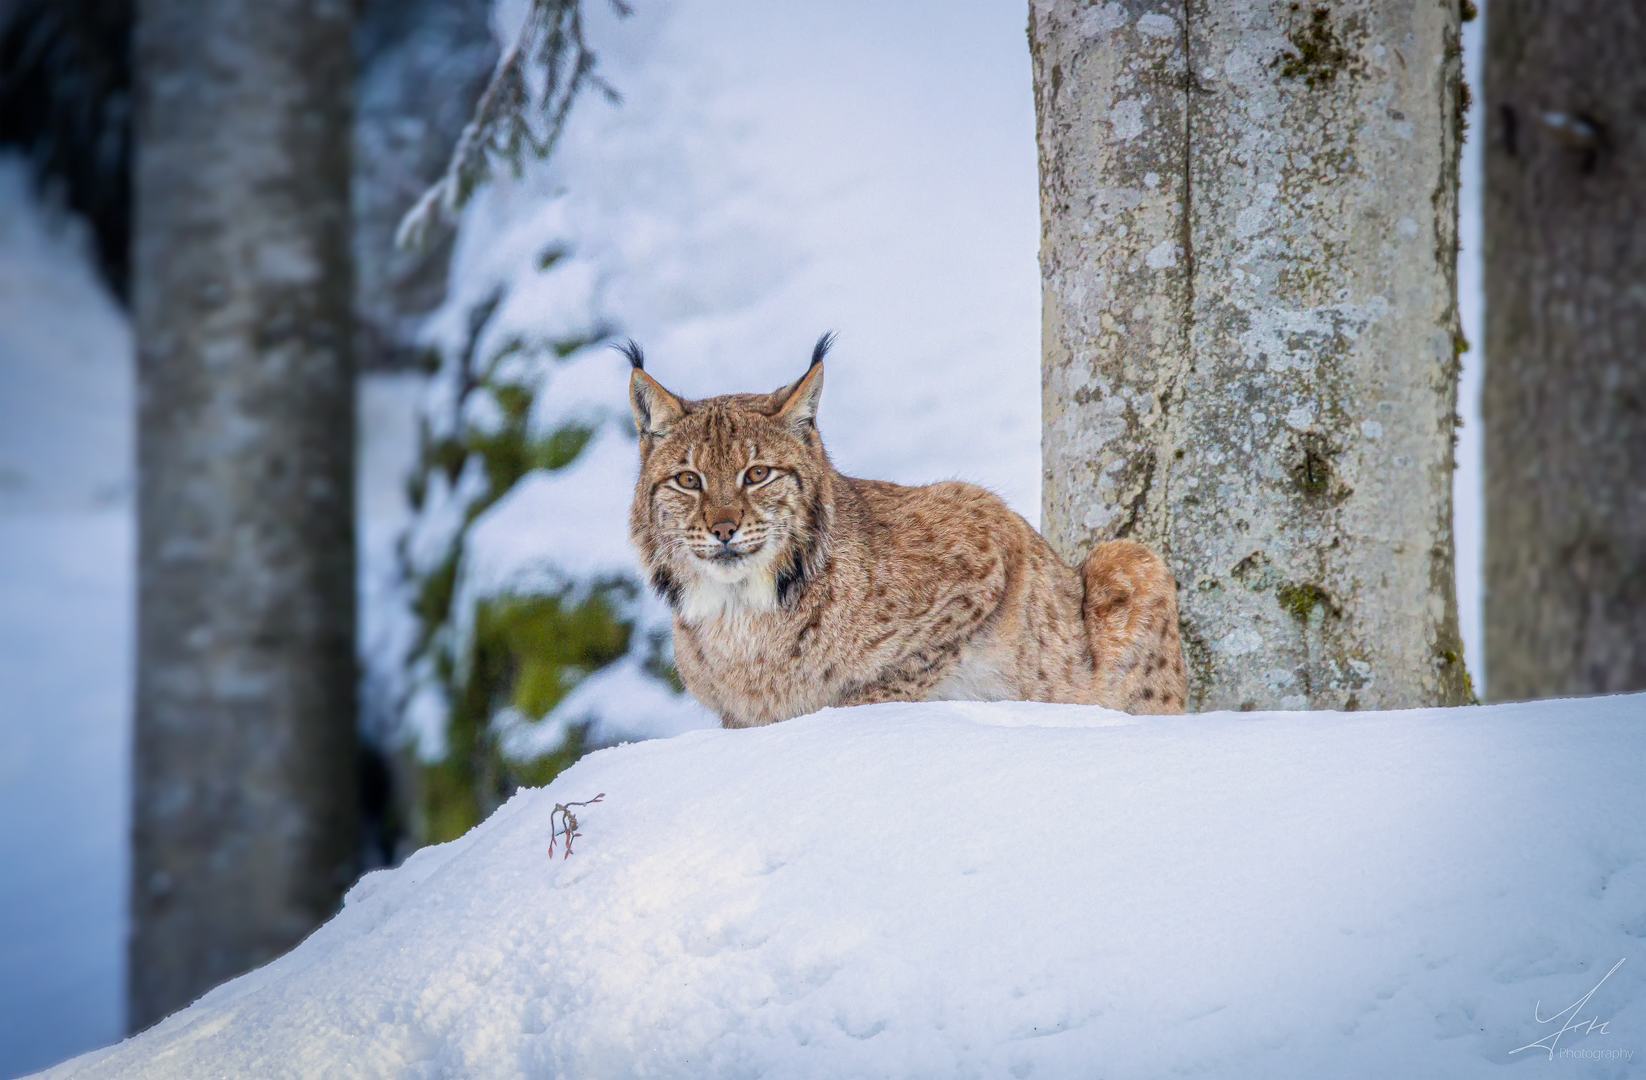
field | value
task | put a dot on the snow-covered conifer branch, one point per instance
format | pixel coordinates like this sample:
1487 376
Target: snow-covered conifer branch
505 123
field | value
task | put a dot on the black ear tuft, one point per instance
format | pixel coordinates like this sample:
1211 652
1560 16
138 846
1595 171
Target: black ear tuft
821 349
628 348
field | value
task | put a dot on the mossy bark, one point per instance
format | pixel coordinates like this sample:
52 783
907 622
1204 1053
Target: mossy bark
245 812
1250 333
1565 391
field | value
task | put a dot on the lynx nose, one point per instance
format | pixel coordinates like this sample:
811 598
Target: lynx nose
723 531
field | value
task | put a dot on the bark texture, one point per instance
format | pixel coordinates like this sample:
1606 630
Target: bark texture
1250 337
1565 391
244 822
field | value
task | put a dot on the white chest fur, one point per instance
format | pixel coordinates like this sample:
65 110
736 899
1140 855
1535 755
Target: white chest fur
717 593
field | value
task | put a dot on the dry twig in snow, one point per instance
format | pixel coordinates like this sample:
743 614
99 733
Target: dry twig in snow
568 823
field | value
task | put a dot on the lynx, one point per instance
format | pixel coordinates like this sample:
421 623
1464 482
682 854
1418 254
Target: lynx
795 587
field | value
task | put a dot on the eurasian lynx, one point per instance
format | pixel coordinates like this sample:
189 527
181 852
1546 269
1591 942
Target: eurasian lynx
795 587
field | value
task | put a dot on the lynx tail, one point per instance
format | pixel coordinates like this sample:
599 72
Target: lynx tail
1130 612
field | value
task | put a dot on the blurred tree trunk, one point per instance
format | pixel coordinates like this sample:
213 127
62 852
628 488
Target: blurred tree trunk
1249 227
1565 391
245 814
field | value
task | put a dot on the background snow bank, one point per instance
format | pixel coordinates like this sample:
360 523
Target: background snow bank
965 889
66 542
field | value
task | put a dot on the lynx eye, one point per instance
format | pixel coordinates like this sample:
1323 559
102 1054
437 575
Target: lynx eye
688 480
756 474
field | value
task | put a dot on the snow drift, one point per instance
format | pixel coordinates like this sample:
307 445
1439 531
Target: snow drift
978 890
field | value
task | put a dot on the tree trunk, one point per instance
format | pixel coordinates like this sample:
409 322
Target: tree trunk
1249 226
1565 391
244 817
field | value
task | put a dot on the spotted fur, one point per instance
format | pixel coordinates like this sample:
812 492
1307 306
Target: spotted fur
795 587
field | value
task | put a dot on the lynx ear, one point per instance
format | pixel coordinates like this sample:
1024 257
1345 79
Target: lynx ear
800 399
654 407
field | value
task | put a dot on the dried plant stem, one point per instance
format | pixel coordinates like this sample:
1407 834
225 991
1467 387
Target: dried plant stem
567 826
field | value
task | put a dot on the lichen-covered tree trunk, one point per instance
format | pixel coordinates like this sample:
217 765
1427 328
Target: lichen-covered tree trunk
1565 391
1250 330
244 815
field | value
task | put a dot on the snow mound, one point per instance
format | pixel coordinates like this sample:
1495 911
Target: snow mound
982 890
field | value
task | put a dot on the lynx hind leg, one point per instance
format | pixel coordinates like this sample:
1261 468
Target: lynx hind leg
1130 612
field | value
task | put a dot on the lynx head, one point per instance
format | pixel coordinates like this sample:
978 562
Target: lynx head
731 509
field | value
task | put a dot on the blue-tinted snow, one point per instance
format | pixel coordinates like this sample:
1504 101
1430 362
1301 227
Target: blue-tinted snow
963 889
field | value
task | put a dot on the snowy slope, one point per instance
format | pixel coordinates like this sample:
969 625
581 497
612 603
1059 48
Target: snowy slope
964 889
65 636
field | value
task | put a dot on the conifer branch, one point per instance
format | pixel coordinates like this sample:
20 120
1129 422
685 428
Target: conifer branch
510 120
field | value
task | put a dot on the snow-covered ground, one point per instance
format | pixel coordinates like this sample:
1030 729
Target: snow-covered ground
962 889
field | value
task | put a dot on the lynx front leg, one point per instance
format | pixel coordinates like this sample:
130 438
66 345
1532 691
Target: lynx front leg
1130 612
